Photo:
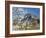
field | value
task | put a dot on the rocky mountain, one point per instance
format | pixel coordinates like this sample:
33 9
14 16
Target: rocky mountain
29 18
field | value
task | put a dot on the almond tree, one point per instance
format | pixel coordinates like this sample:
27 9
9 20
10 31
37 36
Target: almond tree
19 12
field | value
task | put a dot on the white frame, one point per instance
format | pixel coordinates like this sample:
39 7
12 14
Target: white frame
26 31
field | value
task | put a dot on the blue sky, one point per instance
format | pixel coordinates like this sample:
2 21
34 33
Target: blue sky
34 11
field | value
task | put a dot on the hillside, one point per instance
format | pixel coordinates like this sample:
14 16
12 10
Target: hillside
28 22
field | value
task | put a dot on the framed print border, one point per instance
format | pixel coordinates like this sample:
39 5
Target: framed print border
7 18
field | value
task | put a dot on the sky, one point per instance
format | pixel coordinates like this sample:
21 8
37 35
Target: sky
34 11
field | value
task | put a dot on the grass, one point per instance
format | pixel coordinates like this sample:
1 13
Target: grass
26 26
